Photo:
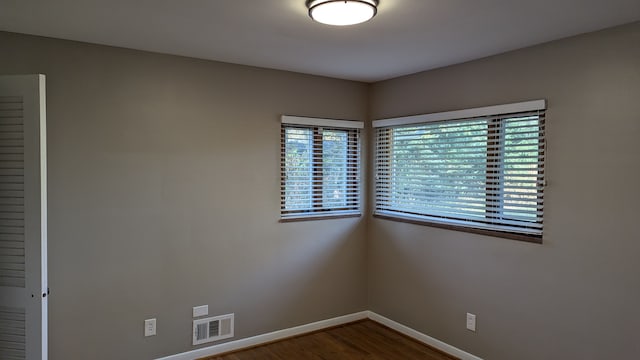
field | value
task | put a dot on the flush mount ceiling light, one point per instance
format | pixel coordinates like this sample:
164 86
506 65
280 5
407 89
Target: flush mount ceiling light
342 12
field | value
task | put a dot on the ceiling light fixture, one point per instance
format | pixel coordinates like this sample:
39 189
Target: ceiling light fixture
342 12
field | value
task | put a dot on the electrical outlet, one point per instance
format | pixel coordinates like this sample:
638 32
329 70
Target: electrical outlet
149 327
471 322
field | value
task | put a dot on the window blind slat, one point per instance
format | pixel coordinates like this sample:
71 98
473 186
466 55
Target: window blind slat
320 169
486 170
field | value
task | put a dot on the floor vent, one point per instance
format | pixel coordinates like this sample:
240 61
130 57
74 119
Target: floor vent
212 329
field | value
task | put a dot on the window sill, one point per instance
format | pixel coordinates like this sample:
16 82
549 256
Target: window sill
319 217
501 234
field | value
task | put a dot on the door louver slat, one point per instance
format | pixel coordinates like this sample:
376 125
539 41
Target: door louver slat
12 333
12 258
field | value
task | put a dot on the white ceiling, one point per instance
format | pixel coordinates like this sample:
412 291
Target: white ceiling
406 36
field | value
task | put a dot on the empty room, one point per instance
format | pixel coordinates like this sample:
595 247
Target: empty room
319 179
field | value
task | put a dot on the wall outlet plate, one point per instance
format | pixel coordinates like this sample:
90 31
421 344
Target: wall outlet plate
202 310
471 322
149 327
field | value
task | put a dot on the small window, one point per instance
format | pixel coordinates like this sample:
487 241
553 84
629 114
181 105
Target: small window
320 168
478 169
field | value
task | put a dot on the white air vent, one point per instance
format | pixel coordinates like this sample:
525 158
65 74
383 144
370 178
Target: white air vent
212 329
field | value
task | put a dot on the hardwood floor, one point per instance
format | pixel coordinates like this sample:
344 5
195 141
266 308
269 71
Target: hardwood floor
366 340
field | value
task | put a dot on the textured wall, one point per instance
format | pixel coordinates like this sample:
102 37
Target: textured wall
164 194
574 297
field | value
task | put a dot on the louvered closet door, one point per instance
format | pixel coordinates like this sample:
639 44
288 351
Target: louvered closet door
23 231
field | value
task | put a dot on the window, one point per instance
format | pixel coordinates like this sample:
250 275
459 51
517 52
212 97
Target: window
479 170
320 168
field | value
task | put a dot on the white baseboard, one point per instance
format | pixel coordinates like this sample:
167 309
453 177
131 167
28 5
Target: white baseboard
319 325
268 337
423 338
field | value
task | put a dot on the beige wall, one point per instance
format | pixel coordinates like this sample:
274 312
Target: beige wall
164 194
577 295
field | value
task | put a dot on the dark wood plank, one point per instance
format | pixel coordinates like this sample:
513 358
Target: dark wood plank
361 340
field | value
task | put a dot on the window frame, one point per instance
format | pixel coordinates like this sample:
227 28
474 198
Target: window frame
317 209
497 117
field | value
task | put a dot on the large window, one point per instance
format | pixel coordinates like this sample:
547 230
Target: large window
478 170
320 168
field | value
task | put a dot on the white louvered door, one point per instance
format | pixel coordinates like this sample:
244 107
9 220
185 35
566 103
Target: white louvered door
23 218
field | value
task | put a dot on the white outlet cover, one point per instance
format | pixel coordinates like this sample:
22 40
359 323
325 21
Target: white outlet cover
471 322
149 327
202 310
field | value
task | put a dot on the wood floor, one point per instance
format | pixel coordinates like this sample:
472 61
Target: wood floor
366 340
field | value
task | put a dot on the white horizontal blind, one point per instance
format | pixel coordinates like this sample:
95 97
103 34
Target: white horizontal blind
320 170
483 172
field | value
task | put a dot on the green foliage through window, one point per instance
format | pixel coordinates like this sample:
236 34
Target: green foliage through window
320 171
483 172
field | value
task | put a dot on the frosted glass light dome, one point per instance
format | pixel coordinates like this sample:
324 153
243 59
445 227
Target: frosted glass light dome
342 12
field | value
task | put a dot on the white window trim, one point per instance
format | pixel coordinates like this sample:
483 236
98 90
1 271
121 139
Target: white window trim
301 120
463 114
